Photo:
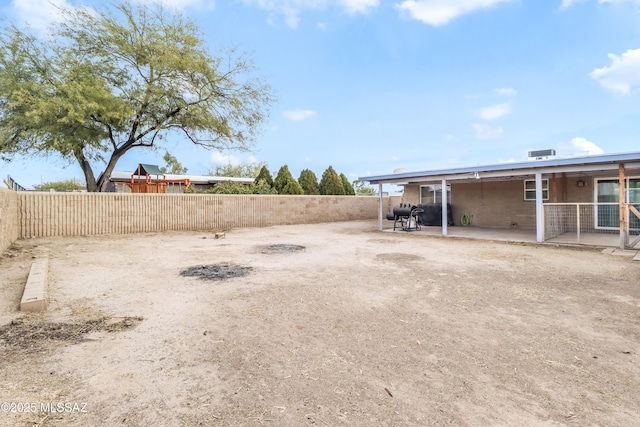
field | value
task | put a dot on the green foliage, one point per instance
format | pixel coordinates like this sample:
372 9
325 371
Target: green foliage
263 187
173 166
362 188
348 188
282 178
285 183
66 185
105 81
242 170
264 175
292 187
330 183
228 187
309 182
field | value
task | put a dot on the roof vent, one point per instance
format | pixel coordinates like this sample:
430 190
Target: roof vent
542 154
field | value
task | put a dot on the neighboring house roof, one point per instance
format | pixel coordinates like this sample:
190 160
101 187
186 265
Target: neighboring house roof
194 179
569 165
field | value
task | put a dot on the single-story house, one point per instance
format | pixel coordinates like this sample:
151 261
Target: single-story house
552 195
146 177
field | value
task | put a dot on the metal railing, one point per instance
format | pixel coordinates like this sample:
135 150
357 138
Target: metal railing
12 184
590 223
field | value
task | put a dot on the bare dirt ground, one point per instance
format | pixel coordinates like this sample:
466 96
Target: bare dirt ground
337 324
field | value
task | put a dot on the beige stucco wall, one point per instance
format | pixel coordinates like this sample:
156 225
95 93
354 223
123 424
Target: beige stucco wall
9 219
75 214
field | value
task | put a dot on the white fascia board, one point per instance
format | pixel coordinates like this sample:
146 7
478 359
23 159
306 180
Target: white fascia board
471 176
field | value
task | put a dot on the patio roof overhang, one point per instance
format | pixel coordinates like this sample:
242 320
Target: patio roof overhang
570 165
594 165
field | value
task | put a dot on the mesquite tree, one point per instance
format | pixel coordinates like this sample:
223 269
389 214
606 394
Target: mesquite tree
107 81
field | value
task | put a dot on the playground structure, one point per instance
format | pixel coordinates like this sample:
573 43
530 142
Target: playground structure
147 179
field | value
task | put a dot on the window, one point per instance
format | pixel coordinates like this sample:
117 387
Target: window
433 194
530 189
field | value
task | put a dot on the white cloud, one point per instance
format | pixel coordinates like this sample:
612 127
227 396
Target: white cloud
173 4
39 14
359 6
506 91
299 115
568 3
579 146
440 12
622 74
224 159
290 10
487 132
495 111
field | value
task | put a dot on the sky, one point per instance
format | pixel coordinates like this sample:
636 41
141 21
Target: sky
372 86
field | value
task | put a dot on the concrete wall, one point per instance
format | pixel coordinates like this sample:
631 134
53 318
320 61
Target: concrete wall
76 214
501 204
9 218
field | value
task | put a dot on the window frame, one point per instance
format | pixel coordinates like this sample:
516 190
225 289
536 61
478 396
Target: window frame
433 194
532 191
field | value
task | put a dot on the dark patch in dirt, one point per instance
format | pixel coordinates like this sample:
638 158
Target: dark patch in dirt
399 257
29 334
281 248
216 271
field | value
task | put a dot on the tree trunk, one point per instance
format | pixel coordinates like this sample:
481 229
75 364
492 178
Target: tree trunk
89 177
103 181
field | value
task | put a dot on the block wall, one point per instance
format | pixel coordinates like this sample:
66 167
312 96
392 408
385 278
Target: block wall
9 218
497 204
80 214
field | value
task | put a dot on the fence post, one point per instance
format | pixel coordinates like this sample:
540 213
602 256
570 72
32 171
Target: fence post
380 213
626 226
539 210
622 193
578 222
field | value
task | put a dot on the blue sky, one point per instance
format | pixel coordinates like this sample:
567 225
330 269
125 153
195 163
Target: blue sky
371 86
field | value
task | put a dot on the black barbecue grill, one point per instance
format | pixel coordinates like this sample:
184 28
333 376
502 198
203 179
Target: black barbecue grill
407 215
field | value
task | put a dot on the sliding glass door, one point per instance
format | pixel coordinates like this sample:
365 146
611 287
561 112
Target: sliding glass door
608 191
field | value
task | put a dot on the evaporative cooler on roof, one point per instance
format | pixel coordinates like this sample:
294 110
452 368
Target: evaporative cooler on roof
539 154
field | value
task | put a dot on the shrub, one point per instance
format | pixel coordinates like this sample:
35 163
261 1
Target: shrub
348 188
309 182
330 183
264 175
285 183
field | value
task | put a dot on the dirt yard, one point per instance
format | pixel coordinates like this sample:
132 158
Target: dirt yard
321 325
